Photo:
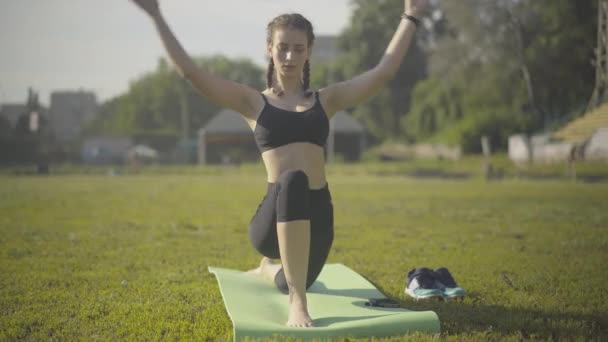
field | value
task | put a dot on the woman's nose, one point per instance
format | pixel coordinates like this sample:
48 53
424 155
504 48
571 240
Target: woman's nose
288 55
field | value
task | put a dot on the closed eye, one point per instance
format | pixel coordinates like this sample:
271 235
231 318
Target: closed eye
285 47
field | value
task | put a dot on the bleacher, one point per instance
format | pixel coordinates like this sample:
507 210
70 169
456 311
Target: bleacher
583 128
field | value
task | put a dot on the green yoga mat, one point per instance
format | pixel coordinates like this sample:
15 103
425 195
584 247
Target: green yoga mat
336 303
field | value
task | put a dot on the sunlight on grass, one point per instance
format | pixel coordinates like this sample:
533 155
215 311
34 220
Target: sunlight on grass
98 257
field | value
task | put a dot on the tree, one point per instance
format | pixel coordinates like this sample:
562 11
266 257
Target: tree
506 64
371 28
154 102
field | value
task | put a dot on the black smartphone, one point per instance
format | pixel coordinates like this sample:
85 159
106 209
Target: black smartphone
382 303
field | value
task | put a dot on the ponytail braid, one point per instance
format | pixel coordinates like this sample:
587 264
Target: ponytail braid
306 78
270 74
270 78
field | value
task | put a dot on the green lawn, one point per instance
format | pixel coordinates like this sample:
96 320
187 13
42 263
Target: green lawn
126 257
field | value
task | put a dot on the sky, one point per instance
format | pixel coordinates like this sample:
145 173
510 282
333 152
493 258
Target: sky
102 45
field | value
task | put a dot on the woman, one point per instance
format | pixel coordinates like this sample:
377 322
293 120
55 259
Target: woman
294 222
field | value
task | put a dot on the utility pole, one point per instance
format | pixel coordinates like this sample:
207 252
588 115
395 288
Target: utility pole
185 117
600 93
184 145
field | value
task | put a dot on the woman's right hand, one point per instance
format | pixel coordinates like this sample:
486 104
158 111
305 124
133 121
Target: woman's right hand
148 6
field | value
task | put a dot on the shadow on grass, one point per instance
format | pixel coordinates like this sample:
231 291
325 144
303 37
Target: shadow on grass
463 317
422 173
428 174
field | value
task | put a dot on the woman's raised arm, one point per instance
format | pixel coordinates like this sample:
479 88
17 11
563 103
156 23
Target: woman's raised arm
349 93
224 93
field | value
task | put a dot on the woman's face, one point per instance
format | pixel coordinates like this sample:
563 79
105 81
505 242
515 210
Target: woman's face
290 51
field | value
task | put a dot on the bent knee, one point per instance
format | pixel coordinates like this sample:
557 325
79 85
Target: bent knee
294 178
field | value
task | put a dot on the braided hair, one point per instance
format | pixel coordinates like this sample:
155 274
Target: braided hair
291 21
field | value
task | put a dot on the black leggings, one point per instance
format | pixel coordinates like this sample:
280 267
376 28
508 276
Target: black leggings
290 199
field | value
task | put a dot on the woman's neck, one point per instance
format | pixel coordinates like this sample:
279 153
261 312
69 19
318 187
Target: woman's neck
288 86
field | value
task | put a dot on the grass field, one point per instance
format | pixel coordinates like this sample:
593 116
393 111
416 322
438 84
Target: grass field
95 257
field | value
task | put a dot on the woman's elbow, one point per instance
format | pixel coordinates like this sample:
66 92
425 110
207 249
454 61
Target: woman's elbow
386 72
384 77
188 73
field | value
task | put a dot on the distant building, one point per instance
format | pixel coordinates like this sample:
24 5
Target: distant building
597 147
226 139
346 138
12 112
70 111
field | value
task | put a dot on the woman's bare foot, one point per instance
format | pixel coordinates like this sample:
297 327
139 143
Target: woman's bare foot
298 312
267 269
259 271
299 318
255 271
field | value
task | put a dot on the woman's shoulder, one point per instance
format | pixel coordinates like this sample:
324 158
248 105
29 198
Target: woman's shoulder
322 96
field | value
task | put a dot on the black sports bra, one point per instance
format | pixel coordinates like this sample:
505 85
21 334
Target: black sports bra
277 127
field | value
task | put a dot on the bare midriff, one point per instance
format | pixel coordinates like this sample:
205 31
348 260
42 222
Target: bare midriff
303 156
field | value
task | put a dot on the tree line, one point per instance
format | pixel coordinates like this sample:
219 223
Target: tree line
476 68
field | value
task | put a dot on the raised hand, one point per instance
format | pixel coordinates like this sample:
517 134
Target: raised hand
148 6
415 7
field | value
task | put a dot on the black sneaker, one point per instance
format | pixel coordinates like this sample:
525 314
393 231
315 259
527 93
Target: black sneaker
421 284
448 285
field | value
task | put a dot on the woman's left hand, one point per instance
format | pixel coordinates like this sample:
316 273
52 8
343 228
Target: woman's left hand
415 7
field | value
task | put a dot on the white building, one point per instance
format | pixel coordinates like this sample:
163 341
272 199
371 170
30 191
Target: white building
597 147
